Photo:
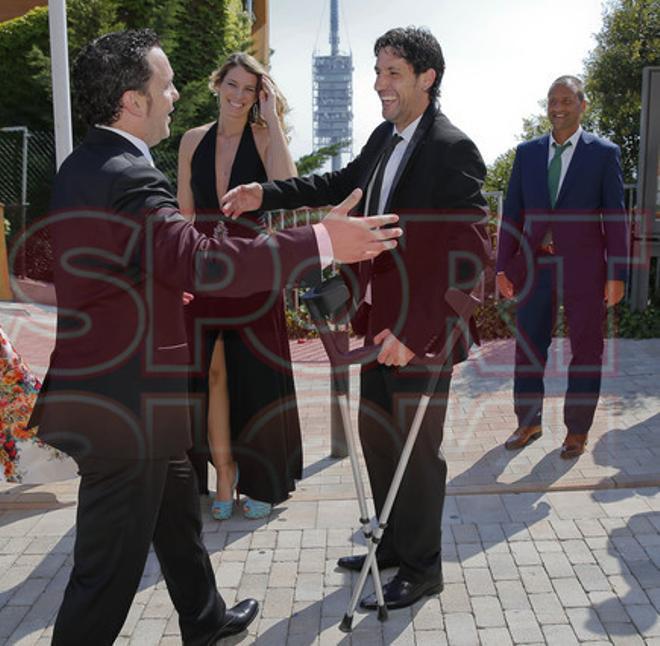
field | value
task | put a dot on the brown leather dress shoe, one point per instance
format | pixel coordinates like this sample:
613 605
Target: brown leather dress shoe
522 436
573 445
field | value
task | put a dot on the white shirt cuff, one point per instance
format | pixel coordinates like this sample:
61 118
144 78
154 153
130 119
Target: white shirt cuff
324 244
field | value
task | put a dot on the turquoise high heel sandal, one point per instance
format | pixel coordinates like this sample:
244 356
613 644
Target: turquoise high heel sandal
223 509
253 509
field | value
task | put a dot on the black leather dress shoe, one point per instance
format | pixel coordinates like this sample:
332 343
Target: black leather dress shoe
355 563
401 593
237 619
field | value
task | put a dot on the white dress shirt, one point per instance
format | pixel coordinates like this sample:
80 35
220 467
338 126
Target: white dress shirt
390 172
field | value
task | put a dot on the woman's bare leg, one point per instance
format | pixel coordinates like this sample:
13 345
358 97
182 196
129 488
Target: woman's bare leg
219 434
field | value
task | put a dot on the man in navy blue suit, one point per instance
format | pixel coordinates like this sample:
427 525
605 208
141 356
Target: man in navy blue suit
563 240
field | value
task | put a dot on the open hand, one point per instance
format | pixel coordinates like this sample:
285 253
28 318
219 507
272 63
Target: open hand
243 198
614 291
357 239
267 100
504 285
393 352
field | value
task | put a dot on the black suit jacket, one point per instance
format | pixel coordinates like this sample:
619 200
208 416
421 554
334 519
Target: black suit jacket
117 381
437 194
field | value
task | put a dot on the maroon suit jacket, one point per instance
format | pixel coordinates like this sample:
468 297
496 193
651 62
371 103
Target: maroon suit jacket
117 381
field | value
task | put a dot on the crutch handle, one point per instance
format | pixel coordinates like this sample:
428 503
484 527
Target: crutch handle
332 296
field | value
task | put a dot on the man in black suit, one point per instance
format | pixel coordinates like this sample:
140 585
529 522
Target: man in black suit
422 166
114 397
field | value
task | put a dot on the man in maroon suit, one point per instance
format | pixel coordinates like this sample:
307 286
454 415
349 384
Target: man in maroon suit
114 397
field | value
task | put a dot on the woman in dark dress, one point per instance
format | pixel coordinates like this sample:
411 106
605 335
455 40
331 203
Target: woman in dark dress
242 377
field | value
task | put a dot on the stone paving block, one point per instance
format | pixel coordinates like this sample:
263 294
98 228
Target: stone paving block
258 561
559 635
460 629
313 538
624 635
134 614
586 624
502 567
516 532
455 599
570 593
253 585
512 595
286 555
471 555
229 573
466 533
10 618
597 542
291 538
610 563
491 533
263 540
305 618
591 577
431 638
236 555
148 632
479 582
616 527
547 608
524 553
646 619
495 637
452 572
577 552
278 603
535 579
159 607
427 615
629 549
628 589
542 531
487 612
523 626
590 527
609 607
496 548
311 560
309 587
566 529
639 525
646 573
654 595
270 630
28 592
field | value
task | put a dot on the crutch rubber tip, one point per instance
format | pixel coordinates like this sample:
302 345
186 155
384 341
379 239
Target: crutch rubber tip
382 613
346 624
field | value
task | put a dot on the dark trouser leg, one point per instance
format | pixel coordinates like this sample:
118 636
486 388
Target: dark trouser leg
585 314
389 400
535 318
119 505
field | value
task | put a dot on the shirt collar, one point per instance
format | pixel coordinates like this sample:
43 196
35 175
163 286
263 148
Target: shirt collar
136 141
407 133
573 138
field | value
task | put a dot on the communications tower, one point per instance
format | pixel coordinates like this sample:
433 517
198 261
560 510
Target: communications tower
332 102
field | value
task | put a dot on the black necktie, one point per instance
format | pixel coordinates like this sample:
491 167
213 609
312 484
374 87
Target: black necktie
374 198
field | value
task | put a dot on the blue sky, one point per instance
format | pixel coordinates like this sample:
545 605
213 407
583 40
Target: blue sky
501 56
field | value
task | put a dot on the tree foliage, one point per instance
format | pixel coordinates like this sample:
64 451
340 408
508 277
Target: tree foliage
314 161
628 41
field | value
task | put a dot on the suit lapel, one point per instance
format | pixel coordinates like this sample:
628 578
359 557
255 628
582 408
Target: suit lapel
413 146
540 168
575 168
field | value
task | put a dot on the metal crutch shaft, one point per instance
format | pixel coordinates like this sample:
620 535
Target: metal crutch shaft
365 522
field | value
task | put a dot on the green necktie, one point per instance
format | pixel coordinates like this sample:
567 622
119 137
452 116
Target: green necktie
554 172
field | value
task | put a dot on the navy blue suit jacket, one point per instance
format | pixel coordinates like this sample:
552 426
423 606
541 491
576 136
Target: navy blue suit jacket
588 221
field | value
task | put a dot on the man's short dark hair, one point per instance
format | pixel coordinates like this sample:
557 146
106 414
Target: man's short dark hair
106 68
572 82
420 48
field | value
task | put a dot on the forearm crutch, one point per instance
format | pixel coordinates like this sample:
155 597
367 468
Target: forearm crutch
323 303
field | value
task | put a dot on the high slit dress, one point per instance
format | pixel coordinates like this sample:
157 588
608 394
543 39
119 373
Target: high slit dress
265 429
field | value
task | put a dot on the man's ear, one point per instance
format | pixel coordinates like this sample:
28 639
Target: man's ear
134 103
427 78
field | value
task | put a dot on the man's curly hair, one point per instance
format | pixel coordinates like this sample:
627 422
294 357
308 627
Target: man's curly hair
106 68
419 47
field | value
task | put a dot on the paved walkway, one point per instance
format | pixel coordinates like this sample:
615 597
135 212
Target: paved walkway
536 550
